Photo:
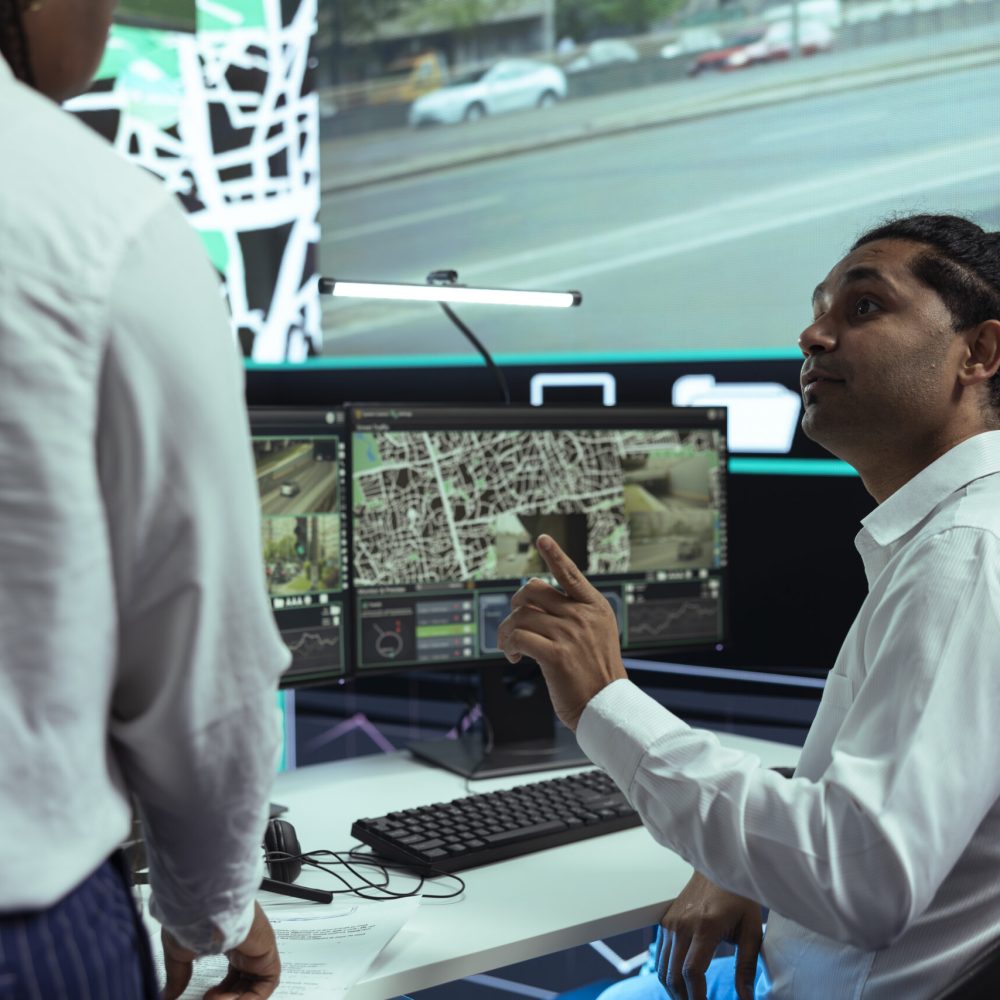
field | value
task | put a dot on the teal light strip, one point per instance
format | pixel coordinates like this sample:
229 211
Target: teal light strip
790 467
569 358
286 708
363 361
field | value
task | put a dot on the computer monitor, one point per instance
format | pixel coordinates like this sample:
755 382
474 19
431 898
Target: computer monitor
446 503
300 456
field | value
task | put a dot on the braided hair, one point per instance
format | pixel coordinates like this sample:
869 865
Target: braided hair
14 41
961 262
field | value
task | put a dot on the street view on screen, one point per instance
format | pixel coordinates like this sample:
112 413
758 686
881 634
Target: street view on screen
683 163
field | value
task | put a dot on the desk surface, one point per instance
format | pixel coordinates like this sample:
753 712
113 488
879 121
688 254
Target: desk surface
511 911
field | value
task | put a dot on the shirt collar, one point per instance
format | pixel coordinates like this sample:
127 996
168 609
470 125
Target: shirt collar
974 458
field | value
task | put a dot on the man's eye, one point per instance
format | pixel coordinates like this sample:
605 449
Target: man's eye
865 306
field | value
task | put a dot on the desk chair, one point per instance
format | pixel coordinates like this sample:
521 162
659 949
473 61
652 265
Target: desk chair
981 981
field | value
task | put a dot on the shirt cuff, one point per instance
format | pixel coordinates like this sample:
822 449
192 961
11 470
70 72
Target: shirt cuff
618 726
214 934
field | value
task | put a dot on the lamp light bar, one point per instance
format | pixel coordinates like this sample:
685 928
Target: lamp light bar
447 293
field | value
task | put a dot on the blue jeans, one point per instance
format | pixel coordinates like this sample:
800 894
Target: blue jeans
719 980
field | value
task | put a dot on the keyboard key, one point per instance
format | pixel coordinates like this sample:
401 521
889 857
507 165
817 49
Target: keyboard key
427 845
525 832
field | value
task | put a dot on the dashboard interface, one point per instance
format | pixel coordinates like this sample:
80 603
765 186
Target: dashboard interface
446 504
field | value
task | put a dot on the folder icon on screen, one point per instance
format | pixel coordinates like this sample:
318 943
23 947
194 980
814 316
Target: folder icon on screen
763 416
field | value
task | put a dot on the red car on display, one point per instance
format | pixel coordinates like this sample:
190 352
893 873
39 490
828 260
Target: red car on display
768 44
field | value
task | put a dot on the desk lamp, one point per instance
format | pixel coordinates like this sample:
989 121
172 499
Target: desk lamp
442 287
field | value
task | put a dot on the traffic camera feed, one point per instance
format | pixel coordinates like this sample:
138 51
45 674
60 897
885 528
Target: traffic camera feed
301 468
298 485
693 178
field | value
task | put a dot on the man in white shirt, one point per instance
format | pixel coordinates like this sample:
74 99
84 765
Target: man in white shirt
139 657
880 858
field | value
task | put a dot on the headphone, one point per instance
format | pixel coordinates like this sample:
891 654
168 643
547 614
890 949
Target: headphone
283 860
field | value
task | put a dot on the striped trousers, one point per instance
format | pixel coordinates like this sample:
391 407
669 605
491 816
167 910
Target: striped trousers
89 946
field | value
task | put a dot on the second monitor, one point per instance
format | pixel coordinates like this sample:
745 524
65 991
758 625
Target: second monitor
301 461
446 504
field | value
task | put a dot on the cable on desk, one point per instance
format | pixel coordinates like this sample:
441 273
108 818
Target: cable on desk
354 859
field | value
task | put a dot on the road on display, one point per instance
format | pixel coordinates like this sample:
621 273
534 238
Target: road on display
703 234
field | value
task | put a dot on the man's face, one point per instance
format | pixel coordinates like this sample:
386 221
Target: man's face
881 358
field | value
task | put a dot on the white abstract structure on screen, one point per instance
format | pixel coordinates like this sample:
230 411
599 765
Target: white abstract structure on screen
228 118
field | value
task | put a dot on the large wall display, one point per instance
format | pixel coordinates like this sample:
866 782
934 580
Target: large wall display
228 118
694 208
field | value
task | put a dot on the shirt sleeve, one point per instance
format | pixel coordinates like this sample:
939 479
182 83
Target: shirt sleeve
195 729
858 853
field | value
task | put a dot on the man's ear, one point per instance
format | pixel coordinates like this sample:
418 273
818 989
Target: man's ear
983 359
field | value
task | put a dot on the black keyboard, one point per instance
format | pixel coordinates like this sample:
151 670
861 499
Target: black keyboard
479 829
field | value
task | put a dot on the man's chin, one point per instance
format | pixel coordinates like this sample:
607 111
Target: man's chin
820 432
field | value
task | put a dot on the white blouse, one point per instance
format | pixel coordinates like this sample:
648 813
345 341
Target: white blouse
138 652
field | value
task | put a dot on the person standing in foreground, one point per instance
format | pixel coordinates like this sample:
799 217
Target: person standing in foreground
879 858
139 657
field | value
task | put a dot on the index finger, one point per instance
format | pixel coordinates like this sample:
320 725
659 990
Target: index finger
566 572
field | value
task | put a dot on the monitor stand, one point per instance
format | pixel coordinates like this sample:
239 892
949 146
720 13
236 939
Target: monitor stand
520 732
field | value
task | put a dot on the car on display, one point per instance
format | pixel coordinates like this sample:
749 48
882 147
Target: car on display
688 549
603 52
408 78
718 59
769 44
508 85
814 37
692 40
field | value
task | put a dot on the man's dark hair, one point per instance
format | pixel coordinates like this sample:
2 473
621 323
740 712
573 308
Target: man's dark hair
13 41
961 263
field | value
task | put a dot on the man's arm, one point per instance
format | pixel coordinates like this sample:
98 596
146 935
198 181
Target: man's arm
694 925
858 853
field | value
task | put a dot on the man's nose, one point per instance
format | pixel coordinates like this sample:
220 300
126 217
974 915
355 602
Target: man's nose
816 338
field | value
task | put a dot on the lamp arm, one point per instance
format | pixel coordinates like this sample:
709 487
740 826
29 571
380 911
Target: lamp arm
474 340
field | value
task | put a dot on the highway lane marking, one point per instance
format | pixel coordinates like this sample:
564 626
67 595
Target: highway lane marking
778 221
823 187
713 223
410 219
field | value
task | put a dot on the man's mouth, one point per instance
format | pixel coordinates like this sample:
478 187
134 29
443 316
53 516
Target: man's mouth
813 378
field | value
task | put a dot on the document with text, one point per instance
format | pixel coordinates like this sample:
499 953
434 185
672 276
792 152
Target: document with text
325 949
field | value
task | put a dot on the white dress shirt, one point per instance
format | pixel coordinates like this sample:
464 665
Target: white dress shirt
880 859
138 654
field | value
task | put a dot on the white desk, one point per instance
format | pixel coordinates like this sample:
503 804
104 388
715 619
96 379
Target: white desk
511 911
